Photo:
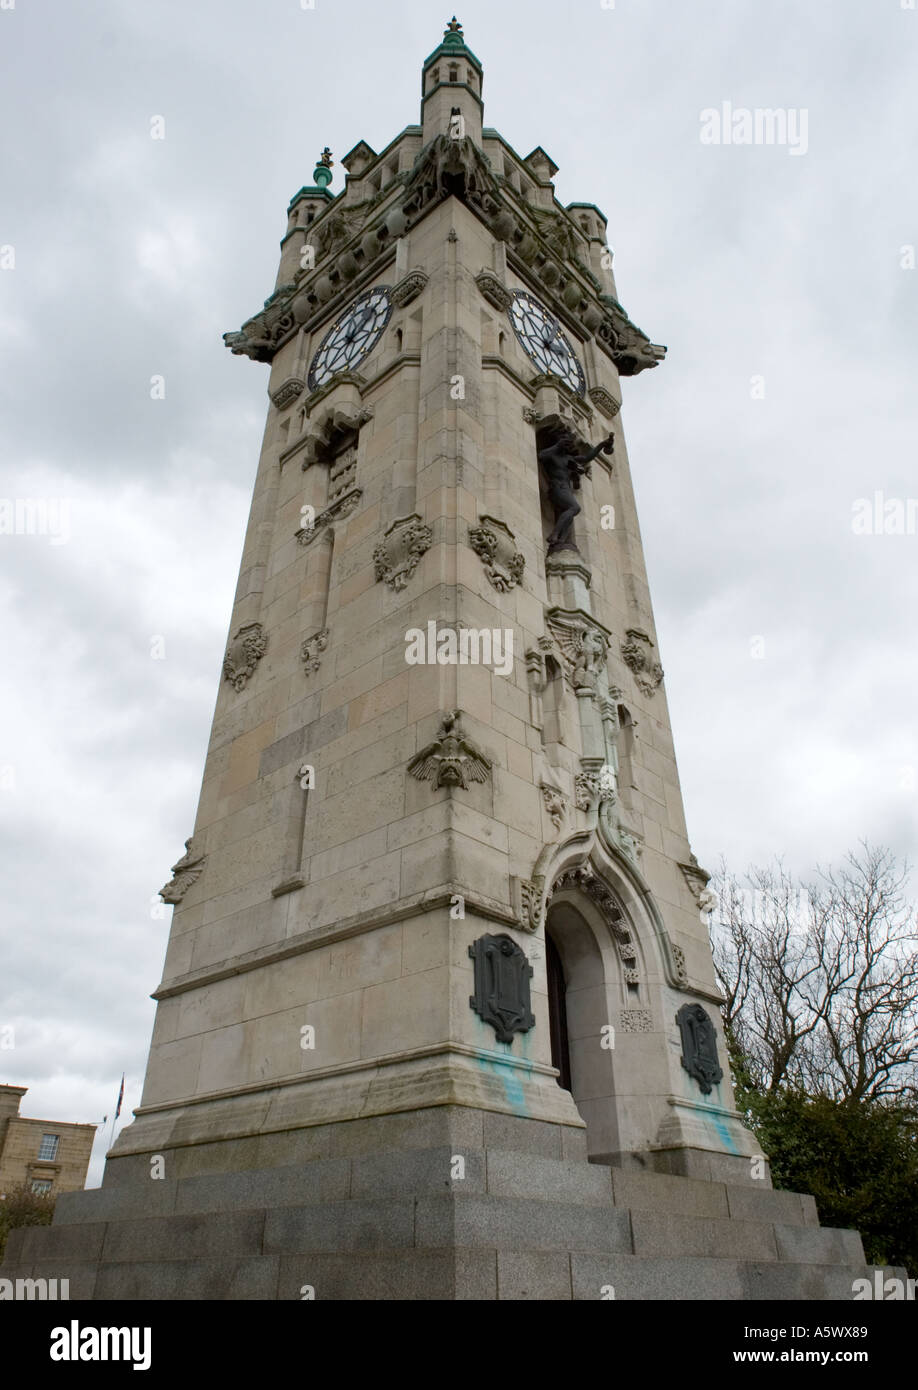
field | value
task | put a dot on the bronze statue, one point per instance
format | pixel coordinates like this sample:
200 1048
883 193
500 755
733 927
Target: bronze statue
564 467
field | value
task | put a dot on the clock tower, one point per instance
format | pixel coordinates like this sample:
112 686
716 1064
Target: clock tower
438 1017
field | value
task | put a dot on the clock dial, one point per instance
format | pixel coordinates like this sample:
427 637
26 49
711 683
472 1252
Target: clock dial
540 334
352 338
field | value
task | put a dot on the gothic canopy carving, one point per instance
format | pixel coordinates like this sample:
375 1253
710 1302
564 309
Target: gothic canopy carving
349 236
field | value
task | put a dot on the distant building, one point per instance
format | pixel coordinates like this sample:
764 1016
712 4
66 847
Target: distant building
46 1155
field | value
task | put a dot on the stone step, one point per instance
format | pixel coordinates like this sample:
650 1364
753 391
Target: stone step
414 1173
662 1234
419 1274
663 1192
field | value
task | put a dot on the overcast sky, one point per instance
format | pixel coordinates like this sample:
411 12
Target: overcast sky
779 280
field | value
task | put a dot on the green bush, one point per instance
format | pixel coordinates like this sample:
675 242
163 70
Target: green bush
23 1207
859 1159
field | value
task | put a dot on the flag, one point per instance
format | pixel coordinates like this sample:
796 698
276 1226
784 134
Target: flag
120 1097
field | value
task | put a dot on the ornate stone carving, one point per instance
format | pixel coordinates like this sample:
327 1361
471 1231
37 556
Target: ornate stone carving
342 473
494 290
336 512
555 803
450 761
186 872
679 966
245 651
310 652
583 644
595 784
397 556
699 1046
637 652
531 415
409 287
493 541
447 167
502 996
698 879
288 391
630 349
583 879
630 844
532 912
636 1021
327 430
604 402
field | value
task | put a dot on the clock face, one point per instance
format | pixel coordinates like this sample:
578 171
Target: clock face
541 336
352 338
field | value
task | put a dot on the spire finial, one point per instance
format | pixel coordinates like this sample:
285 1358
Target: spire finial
322 174
453 32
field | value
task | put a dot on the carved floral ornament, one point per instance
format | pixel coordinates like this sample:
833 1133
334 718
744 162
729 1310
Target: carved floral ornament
349 237
494 542
244 653
637 654
398 555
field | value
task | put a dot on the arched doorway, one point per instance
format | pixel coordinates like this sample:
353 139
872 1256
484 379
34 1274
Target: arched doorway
557 1014
582 970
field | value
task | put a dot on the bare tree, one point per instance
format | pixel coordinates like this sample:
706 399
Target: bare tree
821 978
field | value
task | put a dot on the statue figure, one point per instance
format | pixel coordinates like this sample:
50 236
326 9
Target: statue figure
564 467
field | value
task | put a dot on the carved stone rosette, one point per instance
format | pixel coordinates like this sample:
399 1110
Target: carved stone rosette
494 290
397 556
245 651
184 873
310 652
637 654
493 541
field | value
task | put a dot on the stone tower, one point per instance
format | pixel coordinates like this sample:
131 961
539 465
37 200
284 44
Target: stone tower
438 1016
